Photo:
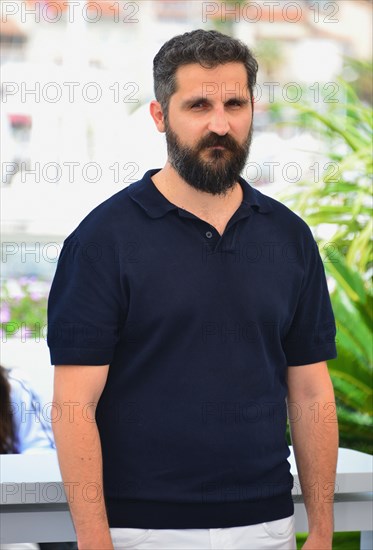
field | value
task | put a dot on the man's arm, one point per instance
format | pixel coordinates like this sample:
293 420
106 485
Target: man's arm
314 434
77 390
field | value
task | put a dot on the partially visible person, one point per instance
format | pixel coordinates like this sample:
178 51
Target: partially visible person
8 443
23 426
24 430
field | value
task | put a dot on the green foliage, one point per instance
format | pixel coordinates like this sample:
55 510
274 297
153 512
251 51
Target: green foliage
350 540
341 201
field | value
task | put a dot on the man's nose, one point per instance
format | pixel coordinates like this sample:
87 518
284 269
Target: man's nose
219 121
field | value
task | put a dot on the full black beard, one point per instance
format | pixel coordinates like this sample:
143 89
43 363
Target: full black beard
220 172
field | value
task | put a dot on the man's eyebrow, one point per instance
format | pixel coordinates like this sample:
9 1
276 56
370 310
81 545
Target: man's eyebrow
241 100
197 99
204 99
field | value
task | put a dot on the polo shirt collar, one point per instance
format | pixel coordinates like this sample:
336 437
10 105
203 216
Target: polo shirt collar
156 205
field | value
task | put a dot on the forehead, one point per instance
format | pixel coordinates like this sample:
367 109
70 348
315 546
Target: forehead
228 78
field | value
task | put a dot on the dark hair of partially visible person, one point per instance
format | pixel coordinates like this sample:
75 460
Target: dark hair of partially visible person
209 49
8 437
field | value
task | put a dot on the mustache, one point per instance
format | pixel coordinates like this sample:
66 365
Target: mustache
214 140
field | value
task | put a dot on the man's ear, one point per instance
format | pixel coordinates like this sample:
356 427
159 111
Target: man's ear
157 115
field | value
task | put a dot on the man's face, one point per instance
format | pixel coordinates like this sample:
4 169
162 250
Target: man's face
209 126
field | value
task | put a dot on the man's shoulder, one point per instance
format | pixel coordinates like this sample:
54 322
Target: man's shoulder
111 219
281 215
113 208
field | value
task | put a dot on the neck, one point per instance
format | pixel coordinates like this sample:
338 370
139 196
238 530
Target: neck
180 193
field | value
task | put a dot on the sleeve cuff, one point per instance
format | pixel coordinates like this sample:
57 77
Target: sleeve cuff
298 358
81 356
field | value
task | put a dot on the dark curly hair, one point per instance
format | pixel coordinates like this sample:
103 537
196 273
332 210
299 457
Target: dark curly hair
208 48
8 438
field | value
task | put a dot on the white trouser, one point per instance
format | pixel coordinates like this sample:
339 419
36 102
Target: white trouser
274 535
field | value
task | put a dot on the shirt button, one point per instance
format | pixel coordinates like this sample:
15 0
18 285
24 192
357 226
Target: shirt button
208 234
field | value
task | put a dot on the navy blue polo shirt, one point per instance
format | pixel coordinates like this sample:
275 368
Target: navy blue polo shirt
199 329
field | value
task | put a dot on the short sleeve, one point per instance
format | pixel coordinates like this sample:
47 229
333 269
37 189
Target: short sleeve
85 306
311 336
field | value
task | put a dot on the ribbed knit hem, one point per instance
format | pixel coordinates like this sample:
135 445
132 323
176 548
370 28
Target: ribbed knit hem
170 515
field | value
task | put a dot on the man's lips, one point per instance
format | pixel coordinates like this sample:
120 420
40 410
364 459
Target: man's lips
219 147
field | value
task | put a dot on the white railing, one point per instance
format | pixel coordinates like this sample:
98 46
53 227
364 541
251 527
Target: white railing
34 506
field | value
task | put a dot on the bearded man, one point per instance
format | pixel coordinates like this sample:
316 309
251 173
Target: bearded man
188 313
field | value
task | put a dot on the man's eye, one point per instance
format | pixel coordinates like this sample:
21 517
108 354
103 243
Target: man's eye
198 105
234 103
